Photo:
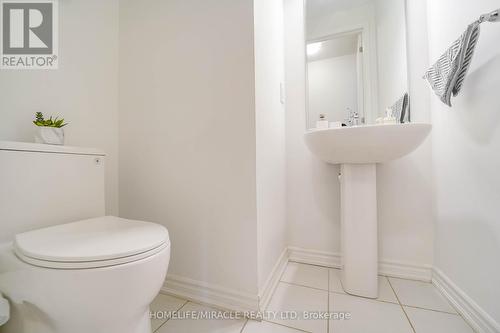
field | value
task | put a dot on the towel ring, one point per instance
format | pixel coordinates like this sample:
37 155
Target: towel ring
494 16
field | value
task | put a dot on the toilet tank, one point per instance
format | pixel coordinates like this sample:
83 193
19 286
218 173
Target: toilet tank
43 185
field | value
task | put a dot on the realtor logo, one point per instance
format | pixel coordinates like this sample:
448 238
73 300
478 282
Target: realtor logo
29 34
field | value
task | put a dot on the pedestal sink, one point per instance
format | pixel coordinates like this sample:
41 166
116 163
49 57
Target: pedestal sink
358 150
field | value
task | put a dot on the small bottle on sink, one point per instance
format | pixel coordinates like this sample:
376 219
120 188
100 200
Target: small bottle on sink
389 118
322 123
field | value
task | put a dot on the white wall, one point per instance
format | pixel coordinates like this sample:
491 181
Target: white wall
332 88
404 186
466 142
392 55
312 187
187 133
83 90
270 135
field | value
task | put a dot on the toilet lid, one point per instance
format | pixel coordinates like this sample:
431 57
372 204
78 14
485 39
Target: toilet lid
93 240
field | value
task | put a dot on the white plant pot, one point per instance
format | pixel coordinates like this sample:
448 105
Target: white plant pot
49 135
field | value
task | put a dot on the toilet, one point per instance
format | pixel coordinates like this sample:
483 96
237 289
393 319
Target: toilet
63 274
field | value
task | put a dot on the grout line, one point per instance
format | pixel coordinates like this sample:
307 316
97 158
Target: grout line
363 298
280 281
301 285
316 265
175 311
402 308
244 325
338 292
433 310
440 294
283 325
276 288
406 279
442 312
209 305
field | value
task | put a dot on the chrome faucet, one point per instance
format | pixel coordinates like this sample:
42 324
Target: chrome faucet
353 119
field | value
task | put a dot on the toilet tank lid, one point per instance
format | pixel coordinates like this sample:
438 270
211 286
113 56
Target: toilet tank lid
101 238
45 148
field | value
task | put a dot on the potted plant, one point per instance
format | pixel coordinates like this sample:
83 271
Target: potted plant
49 131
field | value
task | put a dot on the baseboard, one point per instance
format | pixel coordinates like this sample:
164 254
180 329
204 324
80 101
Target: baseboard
479 319
272 281
314 257
386 267
225 298
210 294
405 270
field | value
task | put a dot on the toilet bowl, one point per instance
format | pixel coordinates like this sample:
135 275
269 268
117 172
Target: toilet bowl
97 275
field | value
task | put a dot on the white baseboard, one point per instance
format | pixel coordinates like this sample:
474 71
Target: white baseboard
314 257
210 294
405 270
226 298
386 267
272 281
479 319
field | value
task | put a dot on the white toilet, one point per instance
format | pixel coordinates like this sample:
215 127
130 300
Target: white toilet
93 275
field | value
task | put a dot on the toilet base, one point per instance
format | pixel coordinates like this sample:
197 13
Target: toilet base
104 300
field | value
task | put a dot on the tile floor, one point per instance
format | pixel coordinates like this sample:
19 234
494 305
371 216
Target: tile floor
403 306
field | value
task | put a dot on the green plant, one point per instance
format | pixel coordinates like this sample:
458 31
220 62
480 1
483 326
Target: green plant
41 121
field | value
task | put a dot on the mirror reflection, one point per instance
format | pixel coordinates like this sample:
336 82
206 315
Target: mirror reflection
356 62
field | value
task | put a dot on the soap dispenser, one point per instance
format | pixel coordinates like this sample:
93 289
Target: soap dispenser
389 118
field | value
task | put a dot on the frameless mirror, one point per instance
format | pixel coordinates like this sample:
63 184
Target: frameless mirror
356 62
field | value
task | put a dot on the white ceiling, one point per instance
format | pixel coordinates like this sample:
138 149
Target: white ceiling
336 47
317 8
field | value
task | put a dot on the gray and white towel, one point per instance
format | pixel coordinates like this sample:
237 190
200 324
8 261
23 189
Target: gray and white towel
401 109
447 75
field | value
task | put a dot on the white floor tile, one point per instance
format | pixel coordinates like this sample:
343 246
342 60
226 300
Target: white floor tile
335 284
266 327
367 316
164 304
427 321
289 297
193 325
384 289
306 275
420 294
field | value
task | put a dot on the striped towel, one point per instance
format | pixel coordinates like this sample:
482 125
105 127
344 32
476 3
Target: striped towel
401 109
447 75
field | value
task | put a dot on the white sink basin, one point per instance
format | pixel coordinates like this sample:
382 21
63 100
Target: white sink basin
366 144
358 149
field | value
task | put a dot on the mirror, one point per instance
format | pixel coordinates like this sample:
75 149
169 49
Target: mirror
356 62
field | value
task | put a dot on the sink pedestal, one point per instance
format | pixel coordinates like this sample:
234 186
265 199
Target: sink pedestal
358 211
358 149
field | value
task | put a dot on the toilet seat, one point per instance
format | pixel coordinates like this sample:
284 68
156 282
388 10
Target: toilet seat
93 243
